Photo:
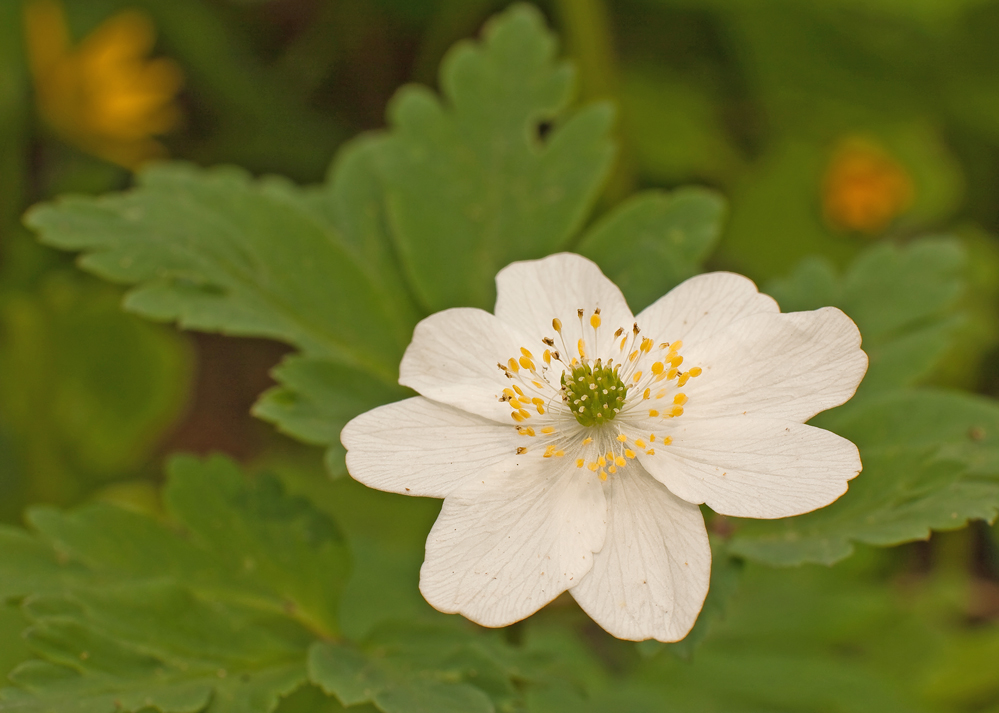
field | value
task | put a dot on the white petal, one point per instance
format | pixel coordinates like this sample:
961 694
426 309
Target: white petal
789 366
453 357
420 447
530 294
703 306
510 541
650 579
753 467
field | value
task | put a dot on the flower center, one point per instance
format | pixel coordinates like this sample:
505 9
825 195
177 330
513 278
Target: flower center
594 393
622 403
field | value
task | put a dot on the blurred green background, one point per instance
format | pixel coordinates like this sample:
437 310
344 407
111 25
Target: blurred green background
829 126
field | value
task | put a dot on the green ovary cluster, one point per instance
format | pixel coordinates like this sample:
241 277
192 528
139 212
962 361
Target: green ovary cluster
594 393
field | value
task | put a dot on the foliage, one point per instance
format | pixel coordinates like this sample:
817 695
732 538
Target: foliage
260 589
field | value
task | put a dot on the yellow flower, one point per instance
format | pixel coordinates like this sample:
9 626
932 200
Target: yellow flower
105 95
864 188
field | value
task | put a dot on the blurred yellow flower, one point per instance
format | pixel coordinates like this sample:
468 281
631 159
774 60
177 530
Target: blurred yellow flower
105 95
864 187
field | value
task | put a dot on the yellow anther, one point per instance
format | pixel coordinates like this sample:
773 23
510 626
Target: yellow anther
640 443
633 355
671 374
646 345
516 416
580 462
676 346
581 347
537 401
509 392
595 321
587 441
629 453
652 438
526 353
602 475
601 461
620 462
676 361
538 385
651 451
547 356
612 470
621 437
593 466
676 411
658 368
524 413
525 430
610 455
541 409
520 392
660 393
680 399
683 378
653 413
636 377
521 451
623 342
550 451
548 430
514 404
696 371
514 366
557 325
559 454
667 440
648 392
527 363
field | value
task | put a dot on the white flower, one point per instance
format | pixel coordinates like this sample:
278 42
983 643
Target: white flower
572 442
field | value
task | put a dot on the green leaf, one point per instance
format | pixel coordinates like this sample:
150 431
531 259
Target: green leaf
220 602
412 670
931 462
245 540
218 252
654 241
809 639
317 398
153 644
902 299
470 183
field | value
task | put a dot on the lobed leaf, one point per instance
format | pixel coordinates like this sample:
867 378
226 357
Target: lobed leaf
217 251
470 182
218 604
414 670
153 644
